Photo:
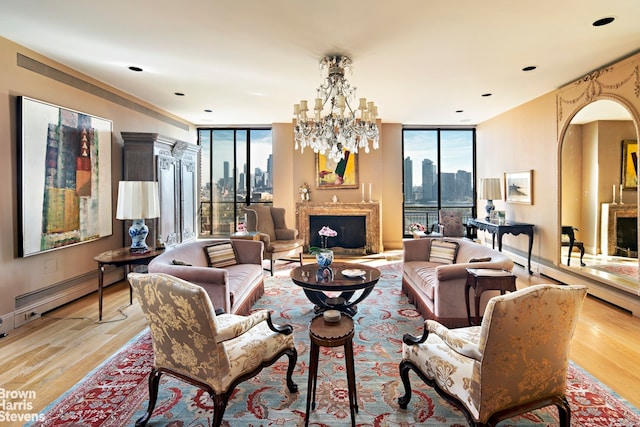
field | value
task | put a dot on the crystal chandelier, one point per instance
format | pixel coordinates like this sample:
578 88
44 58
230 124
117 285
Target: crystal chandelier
335 127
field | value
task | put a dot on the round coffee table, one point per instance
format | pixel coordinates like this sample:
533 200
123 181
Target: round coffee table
316 281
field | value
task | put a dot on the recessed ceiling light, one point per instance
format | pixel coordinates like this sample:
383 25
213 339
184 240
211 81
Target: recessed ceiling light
136 69
459 111
486 94
529 68
603 21
178 94
208 111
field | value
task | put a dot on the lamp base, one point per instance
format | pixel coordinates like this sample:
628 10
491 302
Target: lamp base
138 233
488 208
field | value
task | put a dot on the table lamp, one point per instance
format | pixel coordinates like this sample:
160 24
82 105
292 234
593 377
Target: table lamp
490 191
138 200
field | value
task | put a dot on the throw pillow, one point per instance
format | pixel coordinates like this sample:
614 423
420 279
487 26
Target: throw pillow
178 262
443 251
220 255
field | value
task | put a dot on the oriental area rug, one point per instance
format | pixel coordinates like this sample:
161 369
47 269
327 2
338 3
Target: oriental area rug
115 394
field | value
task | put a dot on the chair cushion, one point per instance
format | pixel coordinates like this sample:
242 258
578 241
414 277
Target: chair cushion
443 251
221 255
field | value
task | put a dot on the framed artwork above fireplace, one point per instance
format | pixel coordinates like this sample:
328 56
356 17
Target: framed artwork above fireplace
332 175
630 164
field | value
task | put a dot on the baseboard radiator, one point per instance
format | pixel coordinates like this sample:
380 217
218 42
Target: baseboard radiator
31 305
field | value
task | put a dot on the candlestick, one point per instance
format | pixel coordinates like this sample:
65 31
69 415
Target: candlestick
363 192
370 196
621 202
614 195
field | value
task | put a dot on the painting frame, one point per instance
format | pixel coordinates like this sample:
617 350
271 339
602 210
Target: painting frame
64 177
328 177
629 178
518 187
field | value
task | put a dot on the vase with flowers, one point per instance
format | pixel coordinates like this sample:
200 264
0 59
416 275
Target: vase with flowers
324 256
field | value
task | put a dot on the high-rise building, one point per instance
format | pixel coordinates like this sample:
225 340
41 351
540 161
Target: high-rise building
408 180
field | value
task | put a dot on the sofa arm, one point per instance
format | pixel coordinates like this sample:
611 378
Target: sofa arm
248 251
416 249
452 271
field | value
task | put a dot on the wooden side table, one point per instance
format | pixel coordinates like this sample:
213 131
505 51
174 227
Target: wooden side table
337 334
486 279
118 258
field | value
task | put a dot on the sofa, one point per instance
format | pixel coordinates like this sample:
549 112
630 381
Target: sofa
233 288
434 280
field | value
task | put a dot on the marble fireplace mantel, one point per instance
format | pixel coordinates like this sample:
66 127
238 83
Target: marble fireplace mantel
609 222
370 210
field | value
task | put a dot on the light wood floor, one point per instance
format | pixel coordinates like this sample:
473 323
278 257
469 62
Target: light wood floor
51 354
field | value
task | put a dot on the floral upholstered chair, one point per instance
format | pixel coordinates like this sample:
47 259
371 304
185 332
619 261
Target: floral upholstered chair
515 362
215 353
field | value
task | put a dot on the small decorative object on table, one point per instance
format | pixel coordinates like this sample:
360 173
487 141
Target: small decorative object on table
417 230
242 228
305 192
324 275
324 256
331 316
417 227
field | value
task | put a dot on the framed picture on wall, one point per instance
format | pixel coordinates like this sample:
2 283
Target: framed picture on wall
630 164
518 187
337 175
64 177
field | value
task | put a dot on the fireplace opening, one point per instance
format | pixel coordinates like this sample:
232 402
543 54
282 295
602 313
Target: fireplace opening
627 237
351 232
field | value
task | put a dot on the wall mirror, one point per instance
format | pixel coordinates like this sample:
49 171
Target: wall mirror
592 161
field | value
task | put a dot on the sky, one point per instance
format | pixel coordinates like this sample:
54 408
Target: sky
456 150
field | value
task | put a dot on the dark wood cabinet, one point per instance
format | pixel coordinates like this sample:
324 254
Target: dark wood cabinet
174 165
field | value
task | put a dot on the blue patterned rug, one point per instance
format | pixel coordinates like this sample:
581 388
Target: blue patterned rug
116 393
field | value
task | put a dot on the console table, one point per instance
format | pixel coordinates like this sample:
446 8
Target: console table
509 227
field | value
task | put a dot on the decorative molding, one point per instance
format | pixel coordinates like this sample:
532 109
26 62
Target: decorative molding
593 88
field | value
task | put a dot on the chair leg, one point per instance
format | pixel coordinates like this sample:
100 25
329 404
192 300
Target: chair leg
564 412
219 405
154 381
293 358
271 260
404 367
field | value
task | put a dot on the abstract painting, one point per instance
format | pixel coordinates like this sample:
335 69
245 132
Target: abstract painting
630 164
64 176
336 175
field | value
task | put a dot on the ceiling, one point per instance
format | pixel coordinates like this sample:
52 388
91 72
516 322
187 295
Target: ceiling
249 61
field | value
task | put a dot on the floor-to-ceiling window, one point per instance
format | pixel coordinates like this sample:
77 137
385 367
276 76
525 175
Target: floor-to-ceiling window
439 170
236 170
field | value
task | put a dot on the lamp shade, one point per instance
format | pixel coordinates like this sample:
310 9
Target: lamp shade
490 189
138 200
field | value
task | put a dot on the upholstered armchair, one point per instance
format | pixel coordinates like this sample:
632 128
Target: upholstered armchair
279 241
515 362
450 223
215 353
